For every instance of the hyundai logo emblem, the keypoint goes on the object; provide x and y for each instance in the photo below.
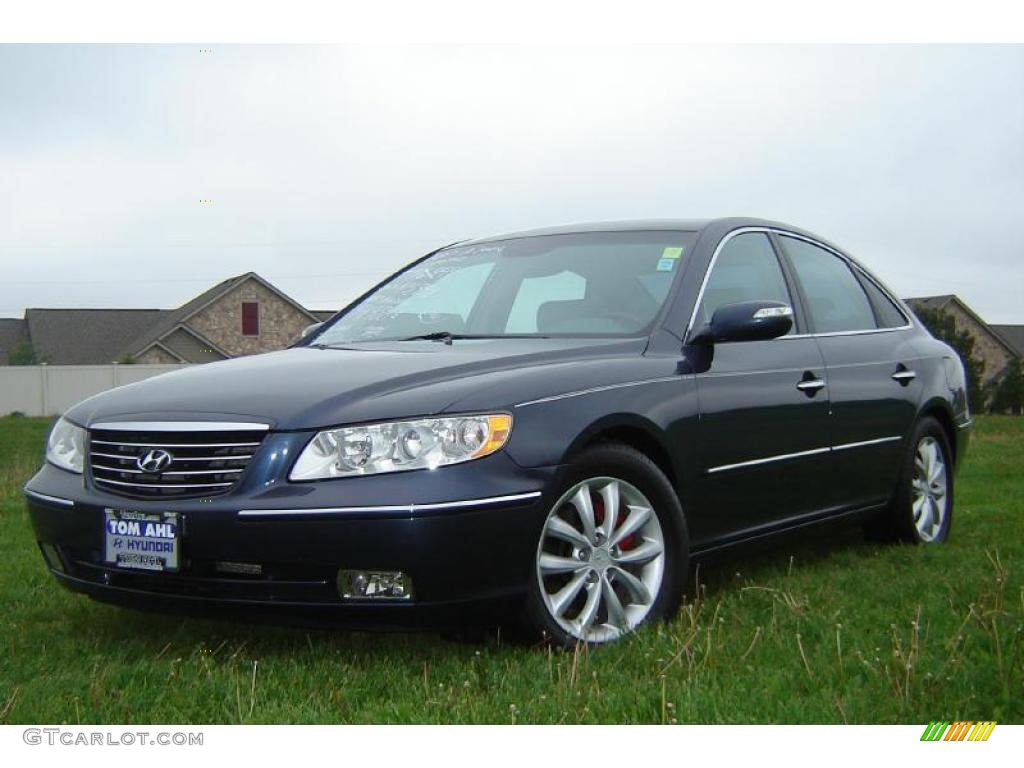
(154, 460)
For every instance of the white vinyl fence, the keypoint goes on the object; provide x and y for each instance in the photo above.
(47, 390)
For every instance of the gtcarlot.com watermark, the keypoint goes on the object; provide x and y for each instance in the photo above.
(69, 737)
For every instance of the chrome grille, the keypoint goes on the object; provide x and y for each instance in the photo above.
(203, 463)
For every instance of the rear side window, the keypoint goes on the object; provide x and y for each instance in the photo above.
(746, 269)
(888, 314)
(837, 300)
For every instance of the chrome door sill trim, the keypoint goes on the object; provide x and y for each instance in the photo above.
(181, 426)
(399, 508)
(50, 499)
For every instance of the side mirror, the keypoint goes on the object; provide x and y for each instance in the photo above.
(309, 329)
(746, 321)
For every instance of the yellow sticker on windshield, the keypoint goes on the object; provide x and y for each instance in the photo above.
(672, 253)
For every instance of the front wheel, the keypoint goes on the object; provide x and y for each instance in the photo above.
(921, 510)
(612, 553)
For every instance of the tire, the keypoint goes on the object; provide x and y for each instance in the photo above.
(595, 583)
(921, 509)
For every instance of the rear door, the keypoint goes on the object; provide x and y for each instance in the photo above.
(869, 360)
(763, 430)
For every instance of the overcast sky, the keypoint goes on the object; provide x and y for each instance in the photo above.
(329, 167)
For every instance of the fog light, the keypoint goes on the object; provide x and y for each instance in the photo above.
(376, 585)
(52, 557)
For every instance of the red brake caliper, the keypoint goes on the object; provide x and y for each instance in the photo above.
(627, 543)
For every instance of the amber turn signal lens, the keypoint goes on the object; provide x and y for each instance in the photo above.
(498, 429)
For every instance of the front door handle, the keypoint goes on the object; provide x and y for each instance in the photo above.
(904, 376)
(810, 384)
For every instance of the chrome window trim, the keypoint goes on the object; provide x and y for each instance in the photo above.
(802, 454)
(603, 388)
(843, 333)
(48, 498)
(181, 426)
(786, 233)
(400, 508)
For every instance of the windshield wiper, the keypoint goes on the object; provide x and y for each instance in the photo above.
(447, 336)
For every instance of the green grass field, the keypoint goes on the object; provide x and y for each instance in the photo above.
(821, 629)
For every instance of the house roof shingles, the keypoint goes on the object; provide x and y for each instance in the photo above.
(12, 333)
(1013, 335)
(85, 336)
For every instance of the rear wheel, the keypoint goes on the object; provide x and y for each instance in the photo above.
(921, 511)
(612, 553)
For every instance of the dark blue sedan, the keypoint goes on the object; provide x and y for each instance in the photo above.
(546, 426)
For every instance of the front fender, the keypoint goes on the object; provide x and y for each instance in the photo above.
(550, 431)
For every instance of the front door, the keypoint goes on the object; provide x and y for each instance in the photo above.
(764, 408)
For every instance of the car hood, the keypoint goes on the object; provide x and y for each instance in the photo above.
(307, 387)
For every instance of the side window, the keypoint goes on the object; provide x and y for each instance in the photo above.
(746, 269)
(552, 292)
(837, 301)
(889, 315)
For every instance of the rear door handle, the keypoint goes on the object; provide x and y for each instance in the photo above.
(904, 376)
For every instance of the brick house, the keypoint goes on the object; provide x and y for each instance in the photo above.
(991, 347)
(242, 315)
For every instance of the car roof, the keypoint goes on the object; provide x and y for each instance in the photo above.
(635, 225)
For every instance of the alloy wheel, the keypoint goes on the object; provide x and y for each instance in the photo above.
(929, 488)
(601, 559)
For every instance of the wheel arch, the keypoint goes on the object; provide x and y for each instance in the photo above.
(940, 410)
(632, 430)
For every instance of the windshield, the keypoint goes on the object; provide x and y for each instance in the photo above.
(590, 284)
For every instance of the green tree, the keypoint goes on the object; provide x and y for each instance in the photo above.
(943, 327)
(23, 354)
(1009, 392)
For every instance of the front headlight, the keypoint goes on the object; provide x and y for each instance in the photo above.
(397, 446)
(66, 446)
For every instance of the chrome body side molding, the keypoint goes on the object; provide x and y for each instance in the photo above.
(802, 454)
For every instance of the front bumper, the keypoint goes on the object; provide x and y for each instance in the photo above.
(465, 535)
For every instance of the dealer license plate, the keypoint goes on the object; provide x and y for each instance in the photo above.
(150, 541)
